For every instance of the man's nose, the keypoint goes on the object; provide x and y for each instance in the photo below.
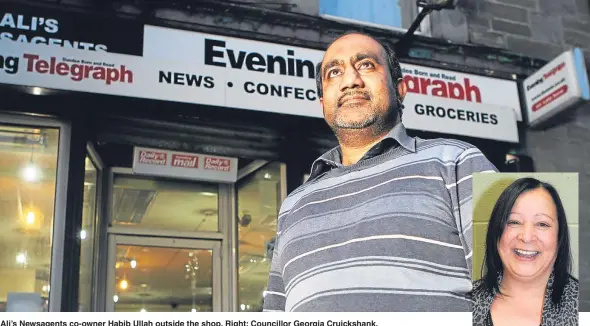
(351, 79)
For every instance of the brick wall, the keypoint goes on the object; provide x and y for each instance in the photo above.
(543, 29)
(539, 28)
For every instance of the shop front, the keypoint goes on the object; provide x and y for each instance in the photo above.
(145, 172)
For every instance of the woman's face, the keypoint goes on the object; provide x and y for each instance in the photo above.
(528, 246)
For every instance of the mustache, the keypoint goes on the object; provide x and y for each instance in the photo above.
(363, 94)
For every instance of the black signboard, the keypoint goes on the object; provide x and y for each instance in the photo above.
(73, 29)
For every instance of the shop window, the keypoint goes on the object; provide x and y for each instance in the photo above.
(155, 203)
(28, 171)
(259, 200)
(394, 14)
(163, 279)
(86, 236)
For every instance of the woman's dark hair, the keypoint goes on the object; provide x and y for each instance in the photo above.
(395, 70)
(493, 266)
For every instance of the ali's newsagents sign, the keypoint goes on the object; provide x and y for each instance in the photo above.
(228, 72)
(25, 23)
(560, 84)
(165, 163)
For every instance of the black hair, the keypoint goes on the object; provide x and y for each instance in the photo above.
(395, 70)
(493, 267)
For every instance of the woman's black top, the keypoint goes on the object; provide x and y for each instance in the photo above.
(565, 313)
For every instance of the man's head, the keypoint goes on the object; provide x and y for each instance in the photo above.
(360, 84)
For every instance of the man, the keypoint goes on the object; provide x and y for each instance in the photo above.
(384, 221)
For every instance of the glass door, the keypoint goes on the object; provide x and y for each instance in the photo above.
(163, 274)
(31, 211)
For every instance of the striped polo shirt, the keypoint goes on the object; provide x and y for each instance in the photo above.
(389, 233)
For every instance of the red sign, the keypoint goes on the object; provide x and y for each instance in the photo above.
(79, 70)
(555, 70)
(217, 164)
(185, 161)
(443, 88)
(550, 98)
(153, 158)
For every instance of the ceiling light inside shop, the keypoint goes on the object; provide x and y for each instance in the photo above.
(31, 173)
(208, 194)
(124, 284)
(115, 298)
(21, 258)
(30, 218)
(133, 263)
(267, 176)
(83, 234)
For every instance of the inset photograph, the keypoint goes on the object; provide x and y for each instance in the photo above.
(525, 249)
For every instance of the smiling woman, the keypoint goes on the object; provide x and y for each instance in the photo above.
(527, 269)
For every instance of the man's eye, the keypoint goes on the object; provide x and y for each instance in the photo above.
(366, 64)
(333, 73)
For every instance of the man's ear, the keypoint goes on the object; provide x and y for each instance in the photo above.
(402, 89)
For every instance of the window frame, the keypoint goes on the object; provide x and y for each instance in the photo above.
(424, 29)
(56, 269)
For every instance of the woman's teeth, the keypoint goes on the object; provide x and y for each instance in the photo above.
(526, 253)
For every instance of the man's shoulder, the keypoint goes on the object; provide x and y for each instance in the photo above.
(444, 143)
(446, 148)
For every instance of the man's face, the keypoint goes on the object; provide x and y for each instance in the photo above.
(357, 88)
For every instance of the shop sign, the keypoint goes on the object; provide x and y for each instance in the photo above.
(454, 117)
(280, 78)
(32, 24)
(557, 86)
(164, 163)
(242, 74)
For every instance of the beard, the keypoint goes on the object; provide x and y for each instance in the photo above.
(368, 114)
(359, 119)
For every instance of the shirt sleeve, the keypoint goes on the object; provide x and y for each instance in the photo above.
(274, 298)
(467, 163)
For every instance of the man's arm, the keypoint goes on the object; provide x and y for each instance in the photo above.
(467, 163)
(275, 298)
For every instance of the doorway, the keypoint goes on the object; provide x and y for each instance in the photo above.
(168, 244)
(164, 275)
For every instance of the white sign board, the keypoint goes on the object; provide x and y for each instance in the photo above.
(560, 84)
(235, 73)
(165, 163)
(279, 78)
(441, 115)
